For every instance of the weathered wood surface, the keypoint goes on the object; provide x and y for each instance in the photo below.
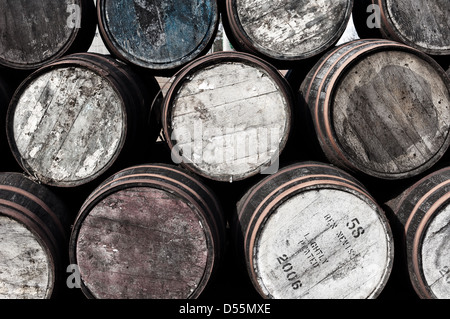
(148, 232)
(33, 33)
(25, 268)
(159, 36)
(70, 122)
(421, 24)
(312, 231)
(380, 108)
(34, 229)
(418, 23)
(53, 139)
(424, 213)
(228, 116)
(287, 30)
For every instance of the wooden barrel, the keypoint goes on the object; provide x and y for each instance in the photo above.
(424, 212)
(380, 108)
(311, 231)
(151, 231)
(72, 120)
(227, 116)
(286, 31)
(421, 24)
(159, 36)
(34, 229)
(34, 33)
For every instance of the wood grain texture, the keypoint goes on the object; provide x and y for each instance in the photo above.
(312, 231)
(421, 24)
(68, 125)
(130, 249)
(320, 255)
(288, 29)
(379, 108)
(228, 119)
(159, 36)
(25, 271)
(423, 211)
(33, 33)
(76, 118)
(434, 255)
(391, 112)
(151, 231)
(34, 229)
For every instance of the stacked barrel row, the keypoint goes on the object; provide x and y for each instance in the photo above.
(144, 190)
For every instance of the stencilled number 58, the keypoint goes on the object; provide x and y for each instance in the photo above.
(355, 227)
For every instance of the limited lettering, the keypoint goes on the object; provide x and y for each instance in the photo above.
(331, 223)
(355, 226)
(346, 243)
(313, 252)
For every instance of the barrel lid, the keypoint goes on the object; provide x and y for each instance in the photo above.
(431, 30)
(178, 235)
(161, 36)
(323, 244)
(227, 116)
(67, 123)
(34, 33)
(286, 31)
(25, 267)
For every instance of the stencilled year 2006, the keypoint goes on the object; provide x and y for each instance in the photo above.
(292, 276)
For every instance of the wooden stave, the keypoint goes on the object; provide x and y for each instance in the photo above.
(303, 169)
(80, 41)
(136, 102)
(387, 29)
(245, 215)
(162, 69)
(246, 231)
(179, 178)
(204, 62)
(165, 177)
(310, 98)
(242, 42)
(321, 117)
(414, 210)
(313, 171)
(140, 88)
(44, 215)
